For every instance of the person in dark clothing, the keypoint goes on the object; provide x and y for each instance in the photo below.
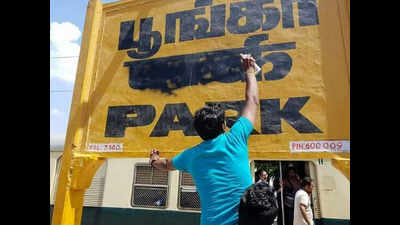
(258, 205)
(290, 185)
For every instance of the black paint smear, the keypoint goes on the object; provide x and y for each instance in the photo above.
(174, 72)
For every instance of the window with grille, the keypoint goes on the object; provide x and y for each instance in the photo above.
(95, 193)
(150, 187)
(188, 195)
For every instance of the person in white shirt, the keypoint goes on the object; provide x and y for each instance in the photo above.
(303, 214)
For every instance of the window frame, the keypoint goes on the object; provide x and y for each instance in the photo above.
(134, 184)
(96, 190)
(188, 188)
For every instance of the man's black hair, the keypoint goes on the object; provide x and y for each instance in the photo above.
(306, 181)
(258, 205)
(208, 121)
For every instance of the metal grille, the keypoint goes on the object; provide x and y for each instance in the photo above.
(145, 174)
(151, 187)
(187, 179)
(160, 177)
(149, 196)
(188, 195)
(189, 200)
(94, 194)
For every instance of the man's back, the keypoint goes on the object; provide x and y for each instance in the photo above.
(220, 169)
(219, 165)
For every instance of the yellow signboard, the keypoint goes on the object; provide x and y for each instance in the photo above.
(146, 66)
(155, 63)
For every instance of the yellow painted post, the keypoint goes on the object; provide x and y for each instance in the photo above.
(343, 11)
(343, 165)
(70, 191)
(82, 171)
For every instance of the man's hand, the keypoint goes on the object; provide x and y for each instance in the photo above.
(154, 155)
(248, 64)
(304, 214)
(161, 164)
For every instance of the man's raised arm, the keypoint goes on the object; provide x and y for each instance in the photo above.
(251, 105)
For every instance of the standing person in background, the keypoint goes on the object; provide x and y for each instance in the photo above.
(262, 176)
(290, 185)
(220, 164)
(303, 214)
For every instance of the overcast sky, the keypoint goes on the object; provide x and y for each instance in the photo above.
(67, 19)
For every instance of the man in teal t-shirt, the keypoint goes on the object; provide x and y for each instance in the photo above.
(220, 164)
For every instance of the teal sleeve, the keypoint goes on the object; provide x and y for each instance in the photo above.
(242, 129)
(181, 161)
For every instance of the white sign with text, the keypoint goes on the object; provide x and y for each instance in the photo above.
(105, 147)
(320, 146)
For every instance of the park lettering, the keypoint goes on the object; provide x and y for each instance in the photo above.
(271, 117)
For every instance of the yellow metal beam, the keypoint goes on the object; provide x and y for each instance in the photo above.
(343, 165)
(71, 186)
(252, 155)
(81, 173)
(83, 170)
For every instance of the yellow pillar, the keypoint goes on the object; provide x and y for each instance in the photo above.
(76, 172)
(343, 165)
(69, 199)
